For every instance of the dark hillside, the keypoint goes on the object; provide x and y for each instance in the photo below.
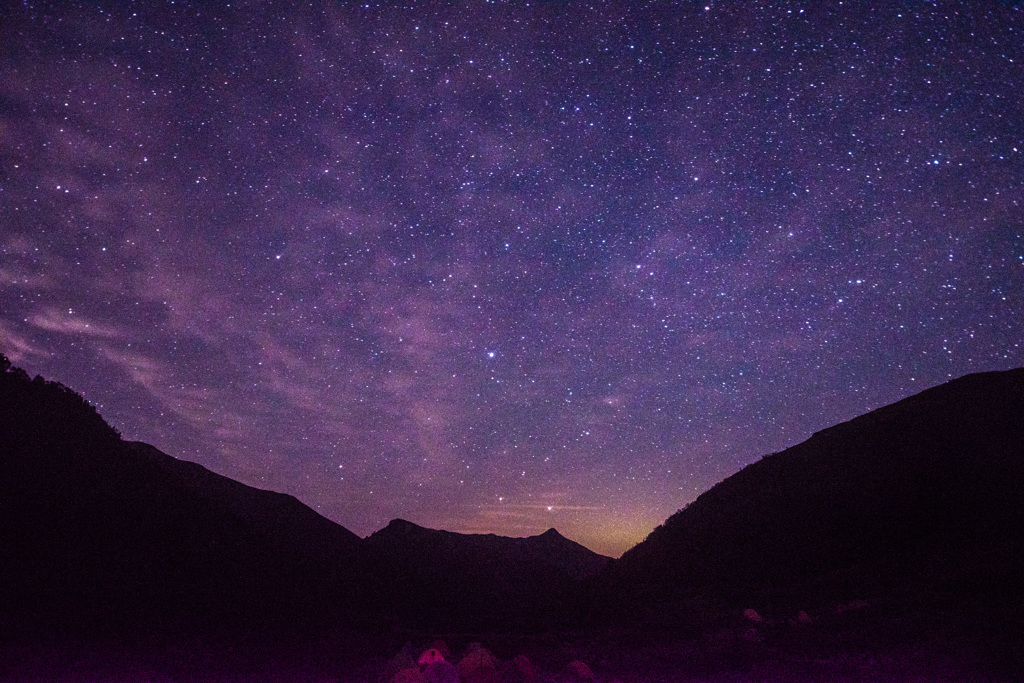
(101, 535)
(448, 581)
(555, 549)
(920, 501)
(916, 509)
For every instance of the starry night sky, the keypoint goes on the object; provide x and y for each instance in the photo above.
(498, 267)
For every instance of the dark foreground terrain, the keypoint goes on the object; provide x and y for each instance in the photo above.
(861, 647)
(887, 548)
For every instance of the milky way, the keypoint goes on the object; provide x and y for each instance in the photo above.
(497, 267)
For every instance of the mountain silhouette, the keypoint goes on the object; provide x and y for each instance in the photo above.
(919, 502)
(549, 548)
(458, 581)
(917, 506)
(552, 547)
(101, 534)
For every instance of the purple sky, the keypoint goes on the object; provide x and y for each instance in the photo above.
(497, 267)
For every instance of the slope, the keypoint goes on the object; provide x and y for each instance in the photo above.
(450, 581)
(102, 536)
(919, 502)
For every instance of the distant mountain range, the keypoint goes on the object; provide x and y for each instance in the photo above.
(549, 549)
(451, 581)
(919, 503)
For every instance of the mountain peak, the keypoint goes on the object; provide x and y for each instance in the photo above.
(399, 526)
(399, 523)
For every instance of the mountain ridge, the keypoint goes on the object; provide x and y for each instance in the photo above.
(891, 504)
(549, 547)
(914, 508)
(479, 581)
(103, 530)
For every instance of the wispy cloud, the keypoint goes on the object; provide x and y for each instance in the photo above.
(71, 323)
(17, 346)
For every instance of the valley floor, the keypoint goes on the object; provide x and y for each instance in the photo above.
(862, 646)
